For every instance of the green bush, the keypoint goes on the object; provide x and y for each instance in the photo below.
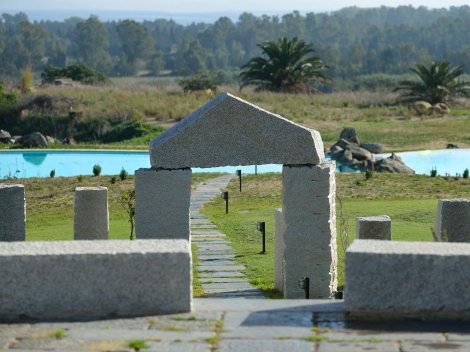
(7, 99)
(52, 174)
(465, 173)
(80, 73)
(96, 170)
(113, 180)
(433, 172)
(198, 82)
(123, 174)
(122, 131)
(369, 174)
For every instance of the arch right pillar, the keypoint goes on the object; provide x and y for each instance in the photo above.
(309, 226)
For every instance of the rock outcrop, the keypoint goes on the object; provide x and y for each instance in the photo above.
(32, 140)
(349, 152)
(5, 137)
(425, 108)
(392, 164)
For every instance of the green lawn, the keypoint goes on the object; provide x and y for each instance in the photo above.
(409, 200)
(49, 205)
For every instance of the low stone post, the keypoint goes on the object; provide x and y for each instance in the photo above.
(309, 217)
(162, 203)
(12, 213)
(91, 219)
(278, 250)
(453, 220)
(374, 228)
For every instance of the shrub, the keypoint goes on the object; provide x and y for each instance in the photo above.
(127, 201)
(79, 178)
(80, 73)
(125, 130)
(26, 80)
(7, 100)
(52, 173)
(434, 172)
(369, 174)
(96, 170)
(465, 173)
(198, 82)
(123, 174)
(113, 180)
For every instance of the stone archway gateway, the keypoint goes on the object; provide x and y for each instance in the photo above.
(230, 131)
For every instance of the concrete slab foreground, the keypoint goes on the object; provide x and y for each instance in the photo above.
(241, 325)
(93, 279)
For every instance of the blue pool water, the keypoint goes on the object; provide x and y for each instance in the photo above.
(22, 164)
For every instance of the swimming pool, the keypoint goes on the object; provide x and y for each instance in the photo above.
(39, 163)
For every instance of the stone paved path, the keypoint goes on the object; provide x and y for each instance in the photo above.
(220, 275)
(240, 325)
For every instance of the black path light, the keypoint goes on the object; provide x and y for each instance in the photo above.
(261, 227)
(224, 195)
(304, 283)
(239, 174)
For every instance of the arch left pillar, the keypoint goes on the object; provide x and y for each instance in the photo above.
(162, 203)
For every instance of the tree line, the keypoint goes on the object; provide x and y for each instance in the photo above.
(352, 42)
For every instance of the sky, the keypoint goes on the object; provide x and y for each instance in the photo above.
(194, 6)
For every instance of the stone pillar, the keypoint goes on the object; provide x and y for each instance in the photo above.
(162, 203)
(374, 228)
(91, 219)
(309, 217)
(278, 250)
(453, 220)
(12, 213)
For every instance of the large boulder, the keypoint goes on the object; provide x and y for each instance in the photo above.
(32, 140)
(349, 134)
(5, 137)
(422, 107)
(393, 164)
(359, 153)
(375, 148)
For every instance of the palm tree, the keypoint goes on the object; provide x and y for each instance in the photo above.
(287, 66)
(437, 83)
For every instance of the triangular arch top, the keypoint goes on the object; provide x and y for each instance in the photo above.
(231, 131)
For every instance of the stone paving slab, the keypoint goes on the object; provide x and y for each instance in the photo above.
(388, 336)
(236, 286)
(359, 346)
(123, 334)
(215, 253)
(197, 216)
(200, 222)
(265, 345)
(221, 274)
(213, 240)
(208, 232)
(207, 236)
(203, 226)
(245, 294)
(216, 257)
(243, 324)
(214, 246)
(420, 346)
(216, 262)
(177, 346)
(208, 251)
(219, 268)
(204, 280)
